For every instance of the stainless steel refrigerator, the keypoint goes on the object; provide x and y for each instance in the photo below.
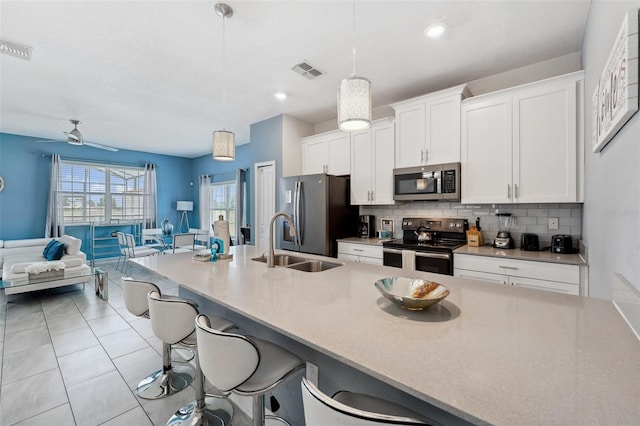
(321, 210)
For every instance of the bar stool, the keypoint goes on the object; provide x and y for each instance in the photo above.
(135, 299)
(244, 365)
(354, 409)
(173, 321)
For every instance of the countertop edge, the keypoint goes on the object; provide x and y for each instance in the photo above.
(519, 254)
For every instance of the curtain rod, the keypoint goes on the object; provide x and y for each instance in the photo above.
(111, 163)
(223, 173)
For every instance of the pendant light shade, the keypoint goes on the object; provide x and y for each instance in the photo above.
(224, 142)
(224, 145)
(354, 95)
(354, 104)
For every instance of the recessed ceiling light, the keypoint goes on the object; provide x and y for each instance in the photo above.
(281, 96)
(435, 30)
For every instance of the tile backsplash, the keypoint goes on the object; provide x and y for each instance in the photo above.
(531, 218)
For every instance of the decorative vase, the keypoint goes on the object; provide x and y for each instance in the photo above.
(167, 228)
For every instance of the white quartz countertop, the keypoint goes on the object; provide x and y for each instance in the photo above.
(488, 353)
(516, 253)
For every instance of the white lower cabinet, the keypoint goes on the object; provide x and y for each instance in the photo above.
(364, 253)
(557, 277)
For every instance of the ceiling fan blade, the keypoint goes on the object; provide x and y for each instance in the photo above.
(100, 146)
(70, 135)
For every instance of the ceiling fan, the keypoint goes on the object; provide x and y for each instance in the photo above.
(74, 137)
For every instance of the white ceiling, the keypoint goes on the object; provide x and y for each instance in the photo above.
(147, 75)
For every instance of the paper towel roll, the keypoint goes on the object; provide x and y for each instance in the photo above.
(221, 231)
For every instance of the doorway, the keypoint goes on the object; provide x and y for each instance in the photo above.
(265, 201)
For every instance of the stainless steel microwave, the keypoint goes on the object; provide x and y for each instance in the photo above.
(433, 182)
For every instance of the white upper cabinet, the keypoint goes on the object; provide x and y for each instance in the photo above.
(327, 153)
(524, 145)
(372, 164)
(428, 128)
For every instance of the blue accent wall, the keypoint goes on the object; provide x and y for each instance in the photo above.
(206, 165)
(25, 166)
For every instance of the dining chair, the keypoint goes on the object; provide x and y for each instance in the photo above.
(202, 238)
(354, 409)
(129, 249)
(183, 243)
(152, 237)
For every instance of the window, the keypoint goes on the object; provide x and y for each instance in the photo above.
(101, 193)
(223, 202)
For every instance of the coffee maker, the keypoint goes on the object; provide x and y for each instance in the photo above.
(366, 226)
(506, 222)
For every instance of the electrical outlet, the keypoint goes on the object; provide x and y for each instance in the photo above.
(312, 373)
(553, 223)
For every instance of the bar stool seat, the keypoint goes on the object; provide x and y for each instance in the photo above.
(244, 365)
(354, 409)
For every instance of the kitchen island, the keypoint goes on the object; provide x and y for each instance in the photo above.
(488, 354)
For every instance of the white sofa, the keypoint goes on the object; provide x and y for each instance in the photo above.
(16, 256)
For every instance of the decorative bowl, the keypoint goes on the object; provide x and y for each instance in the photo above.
(411, 293)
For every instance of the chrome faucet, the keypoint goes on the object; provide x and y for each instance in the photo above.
(292, 232)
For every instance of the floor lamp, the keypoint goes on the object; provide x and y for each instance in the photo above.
(184, 207)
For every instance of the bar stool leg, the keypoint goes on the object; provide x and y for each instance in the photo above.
(203, 411)
(167, 381)
(259, 417)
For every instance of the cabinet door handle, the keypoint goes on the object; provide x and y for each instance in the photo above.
(368, 195)
(509, 191)
(426, 155)
(517, 191)
(422, 155)
(355, 249)
(508, 267)
(373, 196)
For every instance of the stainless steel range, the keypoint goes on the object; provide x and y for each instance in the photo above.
(427, 244)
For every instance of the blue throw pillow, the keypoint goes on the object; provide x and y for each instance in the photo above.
(56, 251)
(48, 247)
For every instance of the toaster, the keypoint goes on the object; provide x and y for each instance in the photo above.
(529, 242)
(561, 244)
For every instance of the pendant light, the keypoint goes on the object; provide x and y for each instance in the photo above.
(354, 96)
(224, 141)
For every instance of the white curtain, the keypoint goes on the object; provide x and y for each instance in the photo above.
(241, 179)
(55, 214)
(150, 198)
(204, 203)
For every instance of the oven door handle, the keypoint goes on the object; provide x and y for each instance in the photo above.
(433, 255)
(394, 251)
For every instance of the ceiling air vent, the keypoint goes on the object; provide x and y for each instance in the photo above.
(306, 70)
(13, 49)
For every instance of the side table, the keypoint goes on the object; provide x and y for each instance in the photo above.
(101, 283)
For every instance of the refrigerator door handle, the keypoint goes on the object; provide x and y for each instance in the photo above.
(299, 218)
(296, 213)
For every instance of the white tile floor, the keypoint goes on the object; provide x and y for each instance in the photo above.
(70, 358)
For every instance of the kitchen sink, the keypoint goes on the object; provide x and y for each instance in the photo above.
(281, 259)
(298, 263)
(314, 266)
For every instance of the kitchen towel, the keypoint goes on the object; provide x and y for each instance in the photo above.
(409, 260)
